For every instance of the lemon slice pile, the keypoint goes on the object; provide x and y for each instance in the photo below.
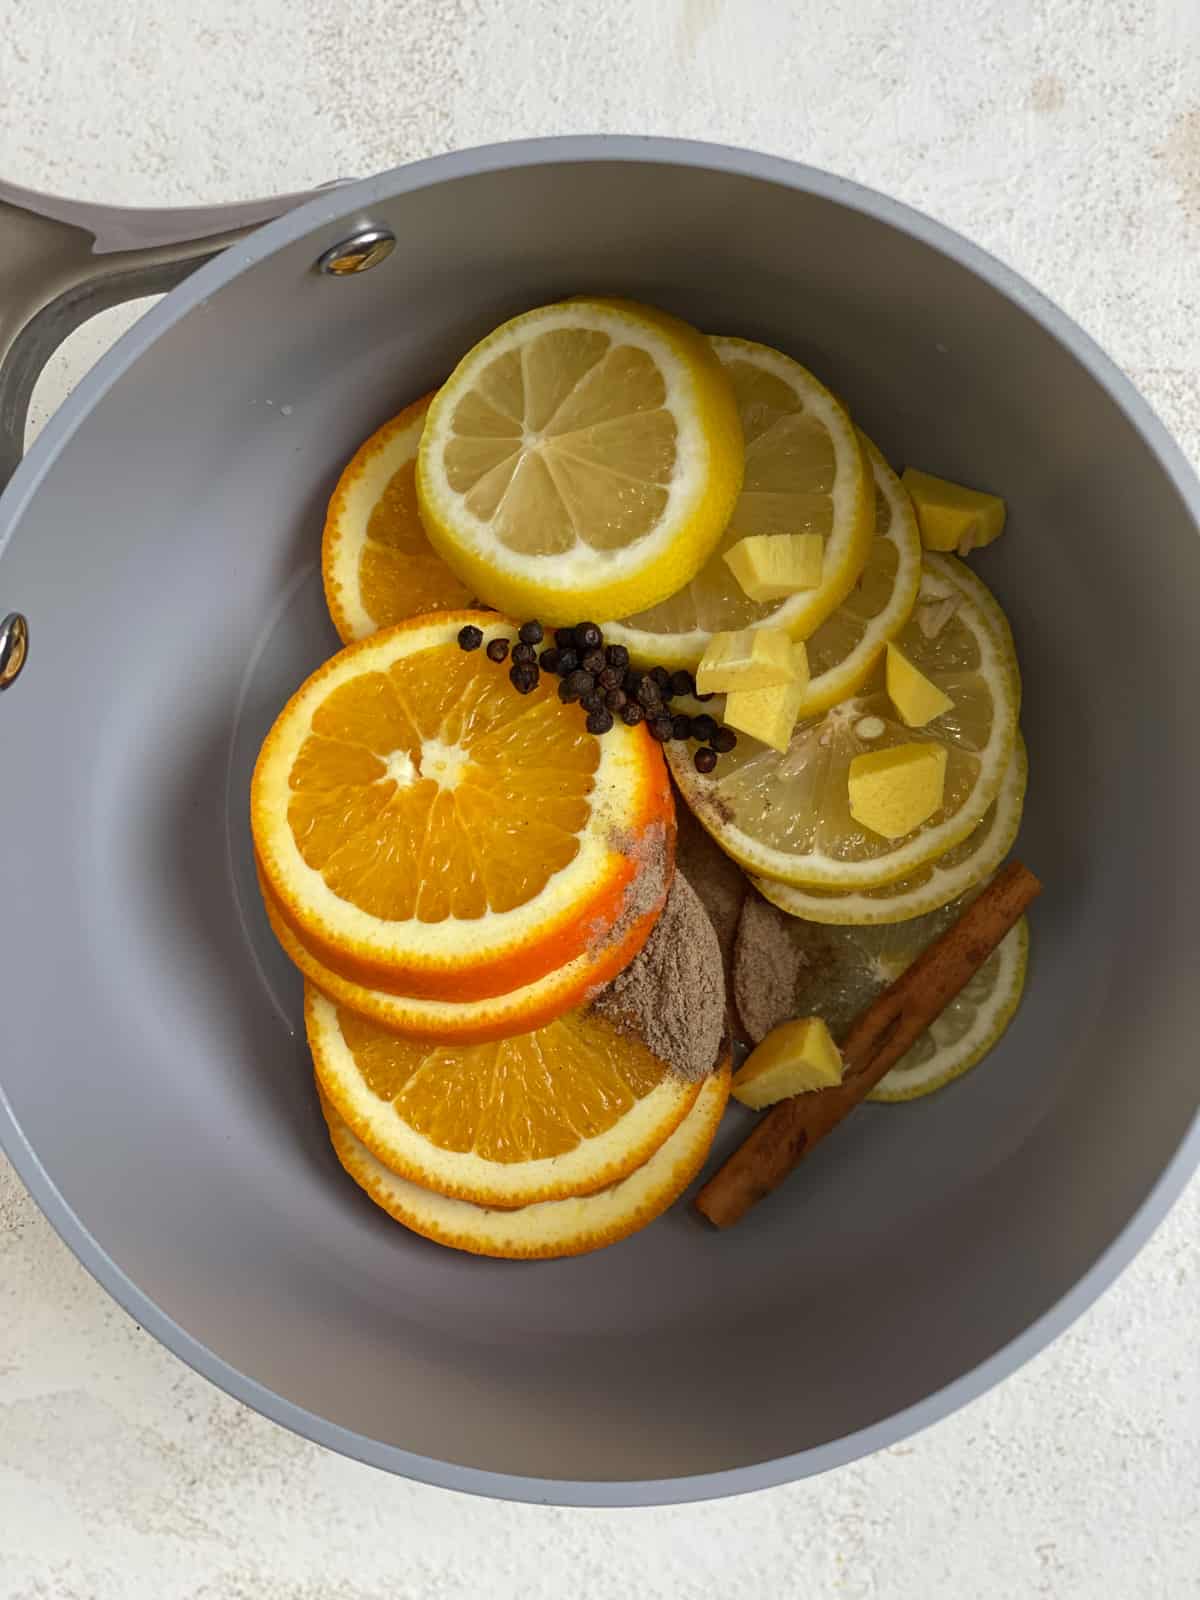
(843, 649)
(942, 880)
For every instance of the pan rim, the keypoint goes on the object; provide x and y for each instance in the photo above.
(325, 212)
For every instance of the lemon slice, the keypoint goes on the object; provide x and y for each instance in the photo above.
(967, 1029)
(835, 973)
(846, 646)
(377, 566)
(581, 461)
(959, 870)
(787, 816)
(806, 472)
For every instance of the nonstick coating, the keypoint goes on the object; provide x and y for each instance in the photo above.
(163, 540)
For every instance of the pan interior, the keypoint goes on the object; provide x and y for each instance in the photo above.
(153, 1053)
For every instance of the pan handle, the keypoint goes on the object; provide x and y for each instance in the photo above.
(61, 261)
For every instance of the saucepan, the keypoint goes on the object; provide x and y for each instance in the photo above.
(159, 542)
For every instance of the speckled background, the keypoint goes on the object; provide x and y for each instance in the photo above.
(1064, 135)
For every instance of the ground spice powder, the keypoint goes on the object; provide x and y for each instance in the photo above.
(652, 859)
(766, 968)
(672, 996)
(720, 882)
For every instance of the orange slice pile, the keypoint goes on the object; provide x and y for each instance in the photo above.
(563, 1111)
(551, 1227)
(426, 830)
(530, 1006)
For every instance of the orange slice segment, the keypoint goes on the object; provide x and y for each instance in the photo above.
(376, 563)
(563, 1111)
(477, 1021)
(552, 1227)
(427, 830)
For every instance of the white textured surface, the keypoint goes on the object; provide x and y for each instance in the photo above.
(1064, 135)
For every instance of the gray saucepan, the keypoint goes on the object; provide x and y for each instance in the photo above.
(161, 540)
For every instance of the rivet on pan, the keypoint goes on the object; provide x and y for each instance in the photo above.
(359, 253)
(14, 648)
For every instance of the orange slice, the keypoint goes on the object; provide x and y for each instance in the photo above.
(478, 1021)
(427, 830)
(376, 563)
(551, 1227)
(563, 1111)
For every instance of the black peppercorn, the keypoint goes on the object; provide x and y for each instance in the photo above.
(523, 676)
(682, 683)
(564, 638)
(531, 632)
(618, 656)
(588, 636)
(617, 700)
(705, 759)
(600, 720)
(497, 649)
(660, 729)
(470, 637)
(524, 654)
(592, 661)
(681, 727)
(703, 726)
(723, 741)
(609, 678)
(631, 713)
(593, 700)
(661, 677)
(549, 660)
(568, 660)
(648, 694)
(579, 683)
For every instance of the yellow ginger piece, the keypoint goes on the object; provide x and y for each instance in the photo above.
(752, 658)
(773, 566)
(792, 1059)
(770, 714)
(916, 699)
(950, 516)
(894, 791)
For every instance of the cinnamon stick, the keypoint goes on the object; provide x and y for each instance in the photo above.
(874, 1043)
